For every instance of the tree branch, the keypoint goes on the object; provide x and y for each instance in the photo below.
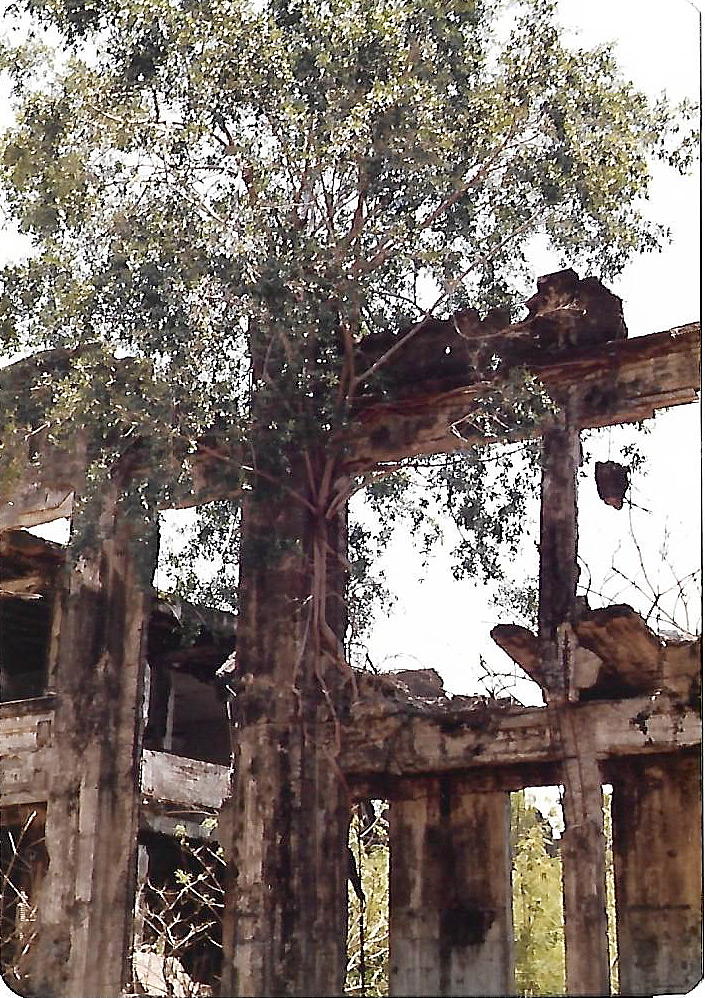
(450, 287)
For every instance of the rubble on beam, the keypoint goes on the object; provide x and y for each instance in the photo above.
(617, 655)
(622, 381)
(565, 314)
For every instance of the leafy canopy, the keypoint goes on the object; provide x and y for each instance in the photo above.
(237, 193)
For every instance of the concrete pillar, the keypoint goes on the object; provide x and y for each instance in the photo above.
(285, 917)
(558, 553)
(450, 897)
(587, 962)
(583, 847)
(657, 830)
(86, 908)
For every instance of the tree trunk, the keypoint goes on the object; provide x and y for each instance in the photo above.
(286, 908)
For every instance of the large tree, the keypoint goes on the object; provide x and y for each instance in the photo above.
(240, 192)
(248, 200)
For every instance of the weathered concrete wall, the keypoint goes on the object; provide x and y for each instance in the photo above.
(450, 898)
(657, 829)
(26, 753)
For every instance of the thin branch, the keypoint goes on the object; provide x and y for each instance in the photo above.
(448, 290)
(386, 243)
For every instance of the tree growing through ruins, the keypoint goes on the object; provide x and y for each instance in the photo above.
(246, 202)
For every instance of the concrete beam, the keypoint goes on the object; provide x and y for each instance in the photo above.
(413, 741)
(173, 778)
(616, 382)
(493, 747)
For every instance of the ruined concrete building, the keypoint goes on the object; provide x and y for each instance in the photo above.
(116, 735)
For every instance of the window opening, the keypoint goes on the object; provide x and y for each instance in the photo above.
(537, 892)
(367, 971)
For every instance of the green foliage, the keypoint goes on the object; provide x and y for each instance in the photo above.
(520, 602)
(218, 153)
(538, 903)
(200, 560)
(610, 895)
(367, 594)
(484, 492)
(235, 194)
(370, 847)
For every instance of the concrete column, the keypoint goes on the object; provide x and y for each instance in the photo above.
(587, 961)
(558, 552)
(285, 914)
(450, 898)
(657, 830)
(86, 908)
(583, 848)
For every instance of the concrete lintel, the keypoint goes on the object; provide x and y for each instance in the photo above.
(498, 749)
(410, 742)
(167, 777)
